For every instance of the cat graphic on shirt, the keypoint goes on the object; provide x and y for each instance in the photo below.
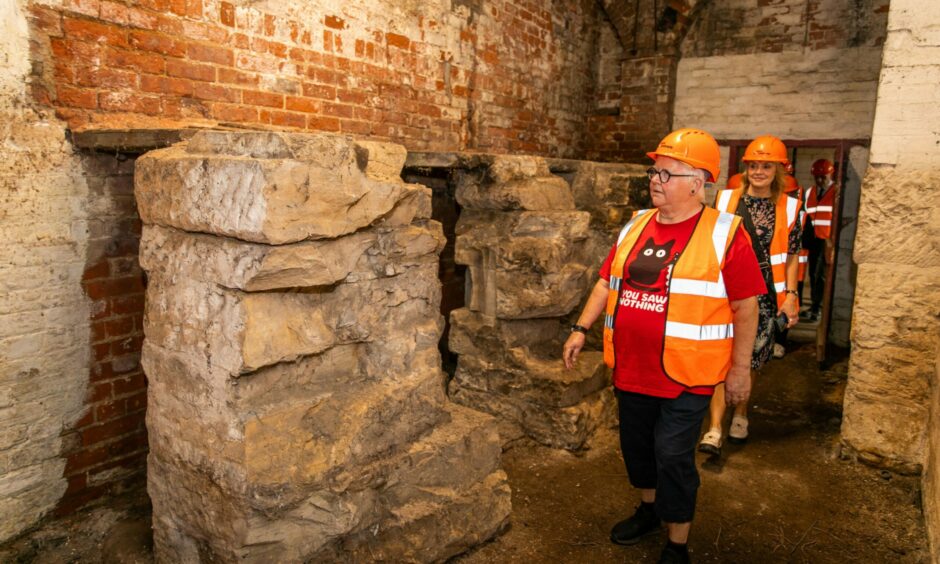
(649, 263)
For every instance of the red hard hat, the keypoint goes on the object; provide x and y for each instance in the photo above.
(766, 148)
(694, 147)
(788, 167)
(734, 182)
(791, 184)
(823, 167)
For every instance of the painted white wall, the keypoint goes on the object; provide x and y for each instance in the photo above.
(43, 312)
(907, 121)
(823, 94)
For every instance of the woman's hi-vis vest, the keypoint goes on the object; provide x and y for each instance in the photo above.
(820, 210)
(785, 216)
(699, 331)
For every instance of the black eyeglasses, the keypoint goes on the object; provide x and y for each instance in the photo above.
(664, 175)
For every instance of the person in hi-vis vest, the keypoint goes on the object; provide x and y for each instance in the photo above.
(678, 293)
(820, 201)
(771, 216)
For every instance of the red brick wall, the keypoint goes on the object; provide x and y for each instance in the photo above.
(106, 450)
(503, 75)
(647, 82)
(648, 87)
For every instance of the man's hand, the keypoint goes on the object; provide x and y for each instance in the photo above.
(737, 385)
(573, 347)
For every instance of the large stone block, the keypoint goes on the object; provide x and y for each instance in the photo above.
(522, 264)
(276, 450)
(522, 359)
(242, 332)
(559, 427)
(890, 194)
(433, 500)
(256, 267)
(273, 187)
(894, 336)
(538, 381)
(503, 182)
(610, 193)
(476, 334)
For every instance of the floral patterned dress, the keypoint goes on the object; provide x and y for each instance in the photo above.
(763, 214)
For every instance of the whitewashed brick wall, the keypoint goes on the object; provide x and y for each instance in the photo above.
(43, 313)
(822, 94)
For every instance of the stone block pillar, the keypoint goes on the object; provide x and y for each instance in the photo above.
(523, 243)
(296, 407)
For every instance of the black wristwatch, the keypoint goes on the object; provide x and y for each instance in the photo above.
(579, 328)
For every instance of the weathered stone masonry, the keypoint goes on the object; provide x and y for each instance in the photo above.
(296, 403)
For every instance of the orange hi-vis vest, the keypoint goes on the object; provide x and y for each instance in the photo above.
(820, 210)
(699, 330)
(804, 253)
(785, 218)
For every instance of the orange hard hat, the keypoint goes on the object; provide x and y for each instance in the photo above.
(694, 147)
(791, 184)
(734, 182)
(823, 167)
(766, 148)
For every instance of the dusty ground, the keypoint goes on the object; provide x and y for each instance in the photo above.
(784, 497)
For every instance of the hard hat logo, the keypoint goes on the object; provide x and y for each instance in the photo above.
(694, 147)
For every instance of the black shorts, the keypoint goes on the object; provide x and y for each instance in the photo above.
(658, 438)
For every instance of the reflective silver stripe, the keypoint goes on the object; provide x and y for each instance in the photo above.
(724, 198)
(694, 287)
(823, 222)
(824, 208)
(793, 205)
(779, 258)
(810, 210)
(615, 282)
(623, 232)
(608, 321)
(720, 234)
(804, 258)
(699, 332)
(780, 286)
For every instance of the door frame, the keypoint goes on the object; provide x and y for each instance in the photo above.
(842, 147)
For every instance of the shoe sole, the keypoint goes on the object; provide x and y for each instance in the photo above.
(737, 441)
(709, 449)
(635, 540)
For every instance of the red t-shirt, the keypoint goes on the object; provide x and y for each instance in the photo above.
(641, 317)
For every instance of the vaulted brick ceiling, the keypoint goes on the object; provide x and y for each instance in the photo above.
(623, 14)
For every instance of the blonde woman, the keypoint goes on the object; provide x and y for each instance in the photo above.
(770, 216)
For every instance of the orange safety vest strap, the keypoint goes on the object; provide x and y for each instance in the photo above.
(638, 221)
(785, 217)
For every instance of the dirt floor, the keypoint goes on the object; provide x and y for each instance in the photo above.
(784, 497)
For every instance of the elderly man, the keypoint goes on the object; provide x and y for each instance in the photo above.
(679, 290)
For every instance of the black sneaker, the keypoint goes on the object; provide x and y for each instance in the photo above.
(670, 555)
(629, 531)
